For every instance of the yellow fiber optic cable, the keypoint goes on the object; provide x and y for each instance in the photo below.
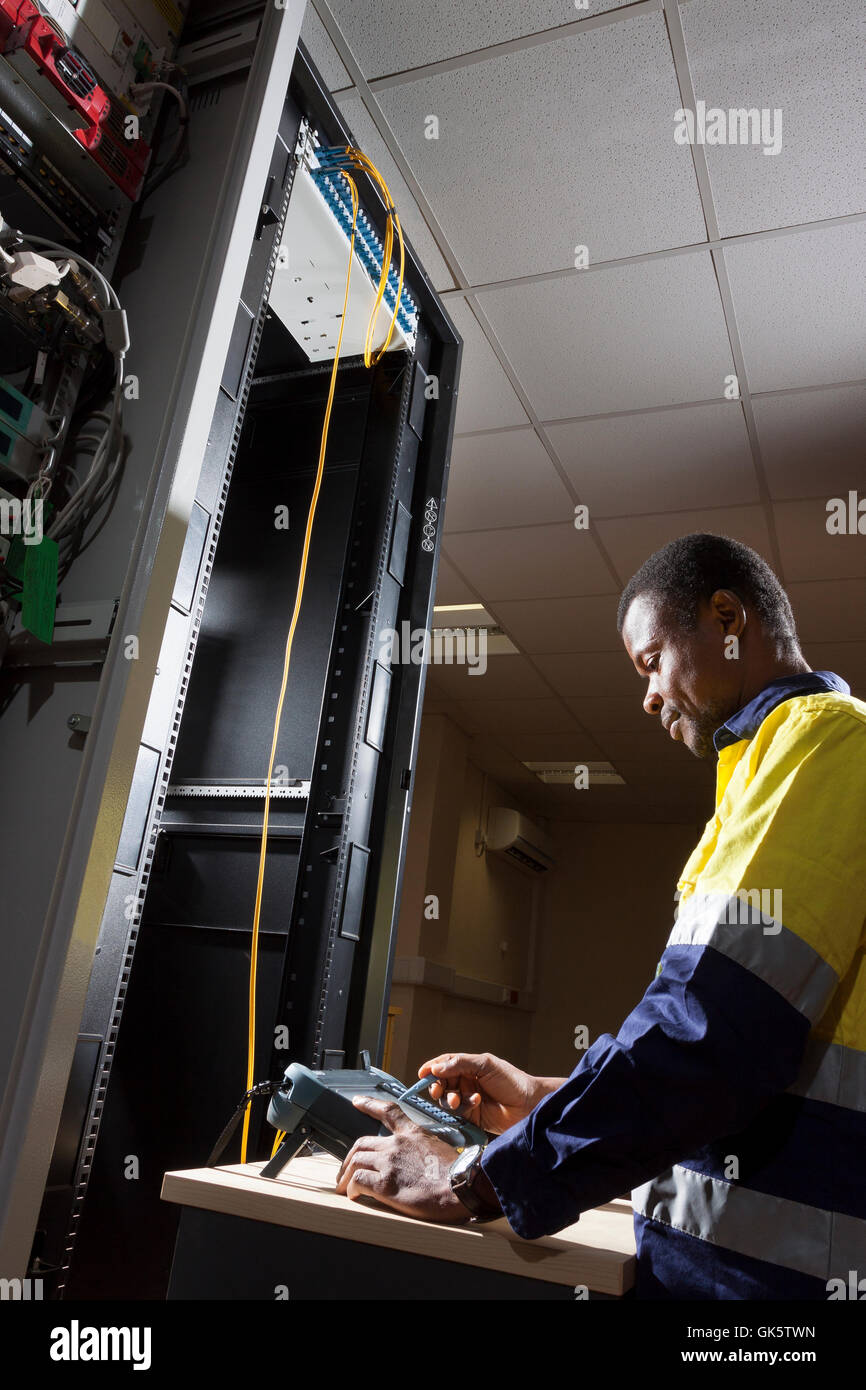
(301, 580)
(361, 161)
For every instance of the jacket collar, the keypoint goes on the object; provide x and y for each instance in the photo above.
(746, 722)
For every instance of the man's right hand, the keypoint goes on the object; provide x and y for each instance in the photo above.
(486, 1090)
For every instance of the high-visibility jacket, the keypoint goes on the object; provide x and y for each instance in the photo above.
(732, 1102)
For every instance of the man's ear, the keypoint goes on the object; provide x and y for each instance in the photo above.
(728, 612)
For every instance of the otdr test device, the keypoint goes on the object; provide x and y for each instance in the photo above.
(316, 1107)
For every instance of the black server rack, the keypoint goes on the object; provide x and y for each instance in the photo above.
(161, 1058)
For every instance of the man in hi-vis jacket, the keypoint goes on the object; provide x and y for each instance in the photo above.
(732, 1101)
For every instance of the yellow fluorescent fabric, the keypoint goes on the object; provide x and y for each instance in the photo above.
(790, 822)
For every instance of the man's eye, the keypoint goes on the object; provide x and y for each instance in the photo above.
(651, 664)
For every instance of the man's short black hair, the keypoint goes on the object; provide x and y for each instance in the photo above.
(689, 570)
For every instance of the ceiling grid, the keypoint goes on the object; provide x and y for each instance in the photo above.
(603, 385)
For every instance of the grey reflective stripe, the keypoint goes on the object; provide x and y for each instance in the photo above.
(764, 946)
(823, 1244)
(849, 1245)
(832, 1073)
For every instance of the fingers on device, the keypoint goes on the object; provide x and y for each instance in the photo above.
(317, 1106)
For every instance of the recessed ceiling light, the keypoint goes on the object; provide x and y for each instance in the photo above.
(598, 774)
(458, 607)
(463, 618)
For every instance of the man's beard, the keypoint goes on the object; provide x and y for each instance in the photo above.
(703, 725)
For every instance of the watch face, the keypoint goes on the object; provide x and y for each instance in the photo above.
(465, 1160)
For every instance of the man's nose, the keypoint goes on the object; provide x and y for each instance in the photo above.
(653, 702)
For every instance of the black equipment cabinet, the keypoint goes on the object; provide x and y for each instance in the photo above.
(169, 1008)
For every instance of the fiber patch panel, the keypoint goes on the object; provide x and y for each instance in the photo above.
(309, 281)
(367, 243)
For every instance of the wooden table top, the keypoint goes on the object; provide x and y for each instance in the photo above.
(598, 1251)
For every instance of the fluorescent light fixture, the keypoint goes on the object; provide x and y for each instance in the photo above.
(458, 608)
(466, 617)
(599, 774)
(496, 643)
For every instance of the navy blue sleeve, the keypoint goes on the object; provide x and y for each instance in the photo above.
(706, 1048)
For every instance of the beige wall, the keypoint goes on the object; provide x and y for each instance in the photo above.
(482, 932)
(610, 907)
(604, 914)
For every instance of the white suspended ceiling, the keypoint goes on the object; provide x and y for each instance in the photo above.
(605, 386)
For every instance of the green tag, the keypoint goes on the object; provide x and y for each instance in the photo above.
(15, 558)
(40, 589)
(18, 551)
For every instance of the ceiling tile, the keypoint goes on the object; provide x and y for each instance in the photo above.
(433, 694)
(434, 706)
(831, 610)
(593, 673)
(553, 748)
(543, 149)
(322, 51)
(631, 540)
(505, 677)
(694, 795)
(530, 562)
(450, 588)
(805, 60)
(625, 712)
(809, 551)
(368, 139)
(649, 746)
(409, 34)
(683, 771)
(485, 397)
(813, 441)
(621, 338)
(513, 779)
(503, 479)
(694, 456)
(521, 716)
(800, 303)
(562, 624)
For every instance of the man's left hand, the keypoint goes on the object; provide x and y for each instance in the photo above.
(406, 1169)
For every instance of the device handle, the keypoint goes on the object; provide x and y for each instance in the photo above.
(264, 1088)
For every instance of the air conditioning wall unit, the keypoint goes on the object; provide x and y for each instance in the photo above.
(519, 840)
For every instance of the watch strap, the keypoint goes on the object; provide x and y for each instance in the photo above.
(463, 1187)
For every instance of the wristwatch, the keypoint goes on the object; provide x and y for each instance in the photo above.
(462, 1176)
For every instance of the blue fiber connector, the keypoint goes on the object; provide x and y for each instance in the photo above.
(367, 243)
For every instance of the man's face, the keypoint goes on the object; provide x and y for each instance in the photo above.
(691, 685)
